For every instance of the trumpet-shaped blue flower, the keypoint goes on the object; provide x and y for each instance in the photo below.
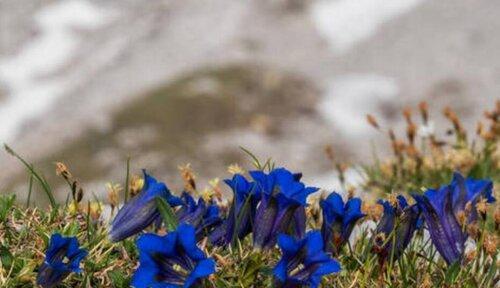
(198, 214)
(395, 229)
(238, 224)
(63, 256)
(282, 195)
(141, 211)
(303, 262)
(441, 207)
(339, 219)
(172, 260)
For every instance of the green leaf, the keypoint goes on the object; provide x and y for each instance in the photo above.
(6, 257)
(255, 160)
(6, 203)
(452, 273)
(167, 214)
(118, 279)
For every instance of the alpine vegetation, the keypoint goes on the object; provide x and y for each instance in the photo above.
(426, 216)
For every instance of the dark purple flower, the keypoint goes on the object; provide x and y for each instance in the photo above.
(339, 220)
(395, 229)
(238, 224)
(141, 211)
(63, 256)
(441, 208)
(171, 261)
(198, 214)
(282, 195)
(303, 262)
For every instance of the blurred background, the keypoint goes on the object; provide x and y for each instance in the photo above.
(169, 82)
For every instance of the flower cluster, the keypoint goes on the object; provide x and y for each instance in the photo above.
(270, 209)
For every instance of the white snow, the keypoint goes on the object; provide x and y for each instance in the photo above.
(349, 98)
(346, 22)
(31, 87)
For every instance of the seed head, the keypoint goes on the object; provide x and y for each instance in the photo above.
(490, 244)
(189, 177)
(62, 170)
(372, 121)
(235, 169)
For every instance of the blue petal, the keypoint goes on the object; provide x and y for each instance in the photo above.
(264, 222)
(325, 268)
(187, 239)
(314, 243)
(280, 270)
(140, 211)
(144, 276)
(203, 269)
(333, 207)
(353, 211)
(444, 229)
(288, 244)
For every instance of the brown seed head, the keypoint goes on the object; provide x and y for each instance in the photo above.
(113, 192)
(497, 216)
(411, 130)
(235, 169)
(329, 151)
(373, 211)
(372, 121)
(461, 218)
(470, 256)
(407, 115)
(426, 282)
(482, 207)
(424, 111)
(473, 230)
(189, 177)
(136, 184)
(62, 170)
(490, 244)
(351, 190)
(452, 116)
(479, 128)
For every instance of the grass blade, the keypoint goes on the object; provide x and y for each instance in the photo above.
(167, 214)
(45, 186)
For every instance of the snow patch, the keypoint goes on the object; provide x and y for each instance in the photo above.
(347, 22)
(349, 98)
(31, 87)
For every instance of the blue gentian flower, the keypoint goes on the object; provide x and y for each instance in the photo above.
(198, 214)
(172, 260)
(397, 226)
(441, 208)
(339, 219)
(138, 213)
(238, 224)
(63, 256)
(282, 195)
(304, 262)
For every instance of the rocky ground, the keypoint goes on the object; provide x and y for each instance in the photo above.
(170, 82)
